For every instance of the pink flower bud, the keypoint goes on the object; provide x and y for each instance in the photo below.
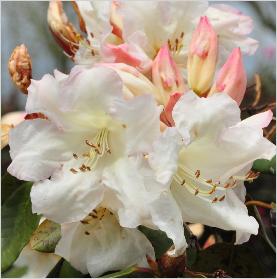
(166, 75)
(202, 57)
(231, 79)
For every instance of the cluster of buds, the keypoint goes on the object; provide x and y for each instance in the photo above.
(20, 68)
(202, 60)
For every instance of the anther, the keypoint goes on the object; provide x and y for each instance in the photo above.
(213, 190)
(196, 192)
(182, 35)
(222, 198)
(124, 125)
(87, 233)
(227, 185)
(73, 170)
(209, 181)
(75, 155)
(84, 222)
(183, 182)
(83, 168)
(197, 173)
(214, 200)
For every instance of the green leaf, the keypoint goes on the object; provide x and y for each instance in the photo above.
(265, 166)
(130, 272)
(46, 237)
(15, 272)
(158, 239)
(236, 260)
(122, 273)
(17, 223)
(68, 271)
(9, 184)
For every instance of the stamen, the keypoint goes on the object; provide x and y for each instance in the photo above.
(75, 156)
(222, 198)
(182, 35)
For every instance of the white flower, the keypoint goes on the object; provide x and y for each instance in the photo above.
(208, 155)
(84, 125)
(98, 244)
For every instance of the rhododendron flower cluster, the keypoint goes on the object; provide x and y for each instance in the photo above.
(144, 130)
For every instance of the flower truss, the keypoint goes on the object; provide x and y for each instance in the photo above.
(144, 130)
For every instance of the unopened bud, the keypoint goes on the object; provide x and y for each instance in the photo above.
(166, 75)
(20, 68)
(63, 31)
(231, 78)
(202, 57)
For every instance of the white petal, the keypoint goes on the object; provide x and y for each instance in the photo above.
(43, 97)
(164, 157)
(90, 89)
(67, 197)
(229, 214)
(103, 246)
(166, 215)
(258, 121)
(96, 18)
(202, 116)
(38, 264)
(141, 116)
(37, 148)
(233, 28)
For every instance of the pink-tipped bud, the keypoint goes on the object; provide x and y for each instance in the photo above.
(231, 79)
(166, 75)
(202, 57)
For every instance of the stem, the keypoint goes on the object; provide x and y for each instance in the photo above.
(259, 203)
(266, 238)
